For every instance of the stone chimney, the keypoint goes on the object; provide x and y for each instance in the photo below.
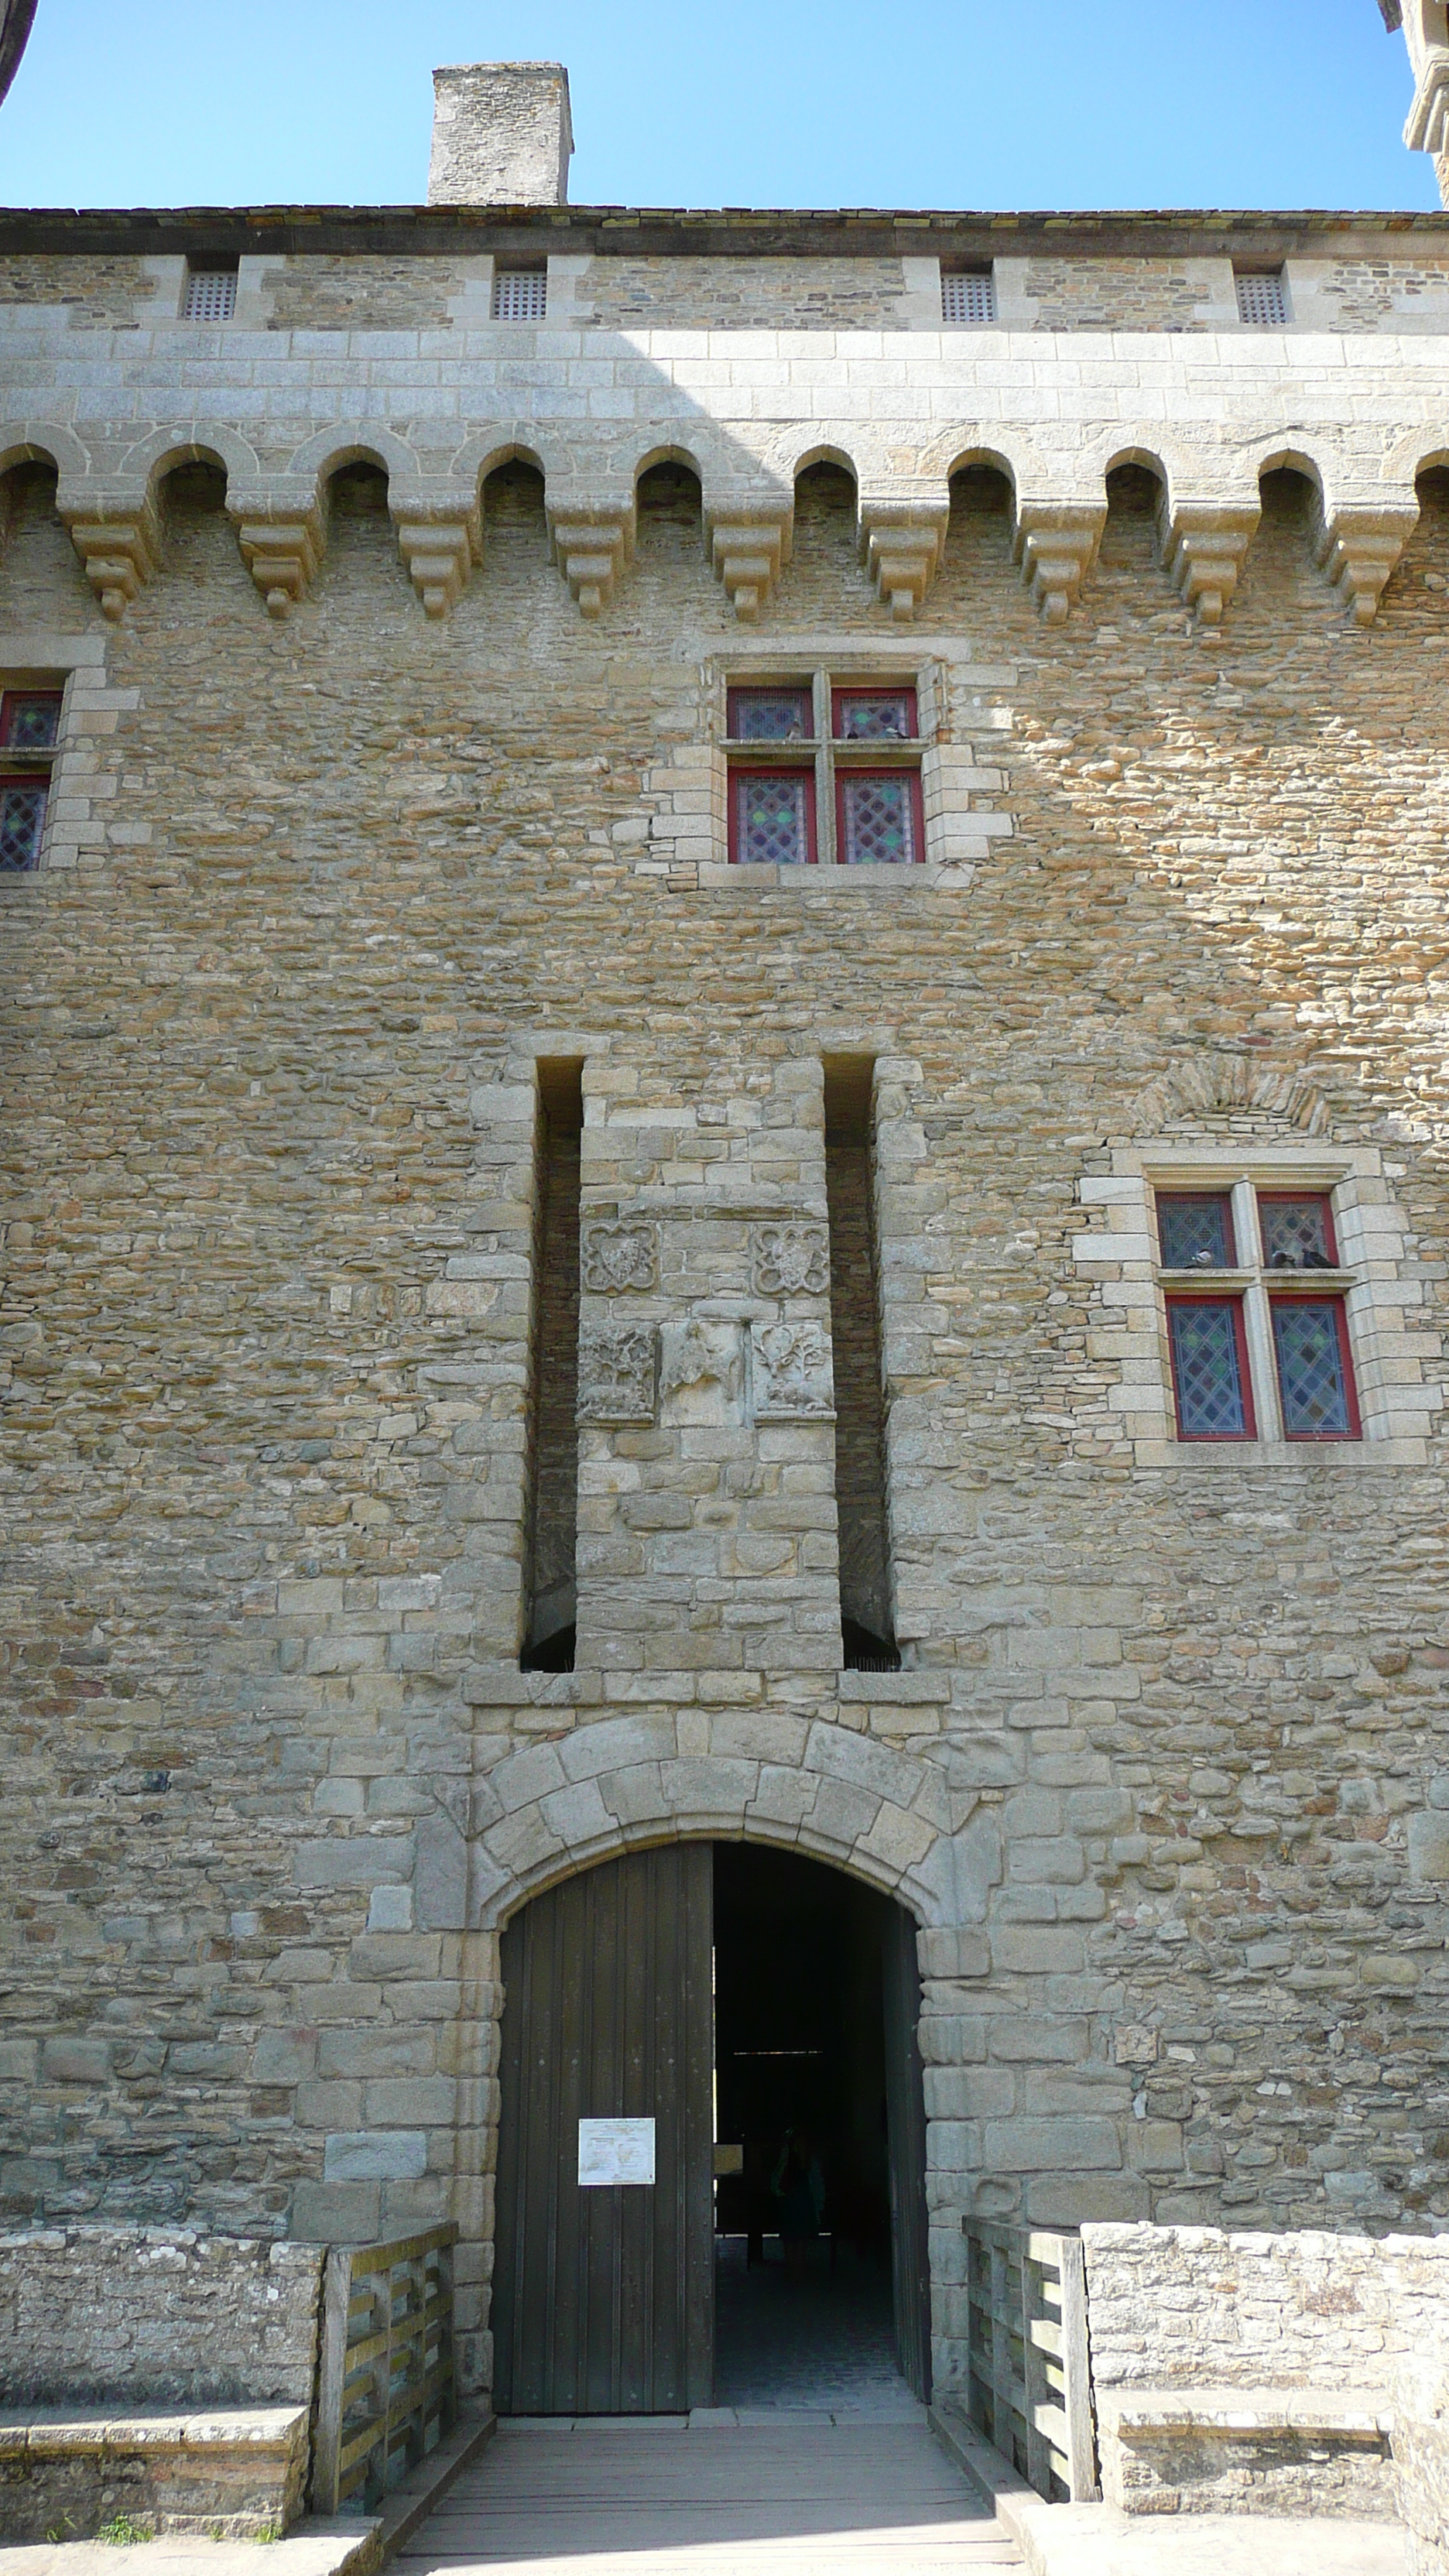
(501, 135)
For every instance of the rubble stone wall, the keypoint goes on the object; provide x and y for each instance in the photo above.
(148, 2315)
(1180, 2306)
(1165, 1777)
(319, 292)
(1118, 295)
(98, 293)
(742, 294)
(1421, 2460)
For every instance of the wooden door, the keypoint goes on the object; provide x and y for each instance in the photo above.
(906, 2140)
(603, 2298)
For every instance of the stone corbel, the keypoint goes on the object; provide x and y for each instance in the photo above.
(440, 540)
(1203, 544)
(747, 547)
(120, 545)
(591, 544)
(1055, 543)
(901, 544)
(1358, 547)
(1427, 125)
(282, 543)
(1426, 128)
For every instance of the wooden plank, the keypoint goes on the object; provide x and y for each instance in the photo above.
(372, 2259)
(331, 2374)
(1028, 2384)
(1081, 2444)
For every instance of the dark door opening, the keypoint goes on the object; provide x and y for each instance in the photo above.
(820, 2234)
(745, 2020)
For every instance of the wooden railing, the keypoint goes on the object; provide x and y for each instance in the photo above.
(386, 2392)
(1029, 2377)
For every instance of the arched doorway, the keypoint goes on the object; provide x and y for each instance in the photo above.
(701, 2042)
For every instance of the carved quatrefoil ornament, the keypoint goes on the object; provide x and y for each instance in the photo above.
(618, 1258)
(791, 1261)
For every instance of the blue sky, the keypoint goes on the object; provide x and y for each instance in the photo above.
(969, 103)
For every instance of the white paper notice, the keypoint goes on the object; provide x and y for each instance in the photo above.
(615, 2151)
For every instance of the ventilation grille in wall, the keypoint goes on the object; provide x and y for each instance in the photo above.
(968, 295)
(1262, 297)
(520, 294)
(210, 295)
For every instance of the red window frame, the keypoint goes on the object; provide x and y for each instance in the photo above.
(841, 698)
(1198, 1198)
(1345, 1354)
(741, 770)
(800, 689)
(1245, 1374)
(865, 770)
(29, 778)
(8, 698)
(1299, 1198)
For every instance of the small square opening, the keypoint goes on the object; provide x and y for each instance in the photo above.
(968, 295)
(520, 294)
(210, 295)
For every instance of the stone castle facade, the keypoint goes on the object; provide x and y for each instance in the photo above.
(714, 923)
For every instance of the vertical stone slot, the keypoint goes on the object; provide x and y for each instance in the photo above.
(551, 1527)
(866, 1621)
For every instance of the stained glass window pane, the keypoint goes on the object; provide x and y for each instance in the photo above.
(880, 821)
(1310, 1369)
(1206, 1372)
(30, 719)
(771, 827)
(770, 715)
(1295, 1234)
(22, 814)
(1195, 1233)
(875, 715)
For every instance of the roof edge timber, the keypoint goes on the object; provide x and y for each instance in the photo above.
(724, 232)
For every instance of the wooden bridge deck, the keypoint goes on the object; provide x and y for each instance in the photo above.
(787, 2496)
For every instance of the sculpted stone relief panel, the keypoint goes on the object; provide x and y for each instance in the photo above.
(616, 1373)
(702, 1371)
(790, 1373)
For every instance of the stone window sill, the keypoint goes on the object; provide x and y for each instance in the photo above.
(835, 881)
(903, 1690)
(1253, 1456)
